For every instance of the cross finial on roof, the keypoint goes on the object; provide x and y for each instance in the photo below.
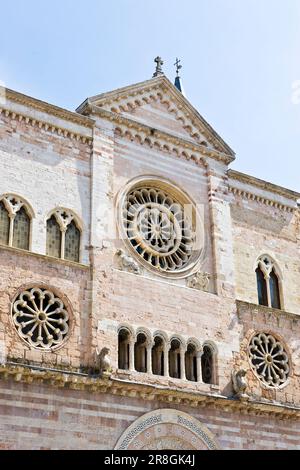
(159, 63)
(178, 66)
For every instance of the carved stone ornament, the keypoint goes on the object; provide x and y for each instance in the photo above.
(269, 360)
(239, 383)
(128, 263)
(199, 281)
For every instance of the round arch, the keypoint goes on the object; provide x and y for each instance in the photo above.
(167, 429)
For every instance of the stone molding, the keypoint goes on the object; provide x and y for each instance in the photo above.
(75, 381)
(51, 109)
(143, 133)
(255, 197)
(201, 434)
(20, 252)
(45, 126)
(154, 89)
(264, 185)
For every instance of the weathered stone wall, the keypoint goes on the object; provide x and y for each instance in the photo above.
(261, 227)
(69, 281)
(39, 417)
(45, 168)
(54, 159)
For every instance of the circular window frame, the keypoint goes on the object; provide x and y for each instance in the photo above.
(194, 263)
(278, 338)
(67, 305)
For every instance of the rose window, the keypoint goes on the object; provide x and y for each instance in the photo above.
(159, 228)
(40, 318)
(269, 360)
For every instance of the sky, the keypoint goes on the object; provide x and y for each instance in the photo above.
(241, 64)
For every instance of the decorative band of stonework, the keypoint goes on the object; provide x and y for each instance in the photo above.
(140, 433)
(161, 226)
(40, 318)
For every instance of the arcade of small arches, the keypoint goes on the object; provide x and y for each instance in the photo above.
(157, 354)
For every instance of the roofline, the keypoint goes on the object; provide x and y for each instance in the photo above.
(43, 106)
(131, 123)
(173, 90)
(267, 186)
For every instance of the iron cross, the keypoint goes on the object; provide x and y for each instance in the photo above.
(178, 66)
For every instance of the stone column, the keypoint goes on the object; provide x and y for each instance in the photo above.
(182, 363)
(149, 357)
(131, 355)
(199, 366)
(11, 225)
(166, 360)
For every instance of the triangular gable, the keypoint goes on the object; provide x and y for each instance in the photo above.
(157, 103)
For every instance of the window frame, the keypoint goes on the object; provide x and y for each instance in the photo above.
(63, 223)
(267, 268)
(13, 203)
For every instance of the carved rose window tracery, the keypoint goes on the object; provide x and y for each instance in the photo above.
(269, 360)
(40, 318)
(160, 227)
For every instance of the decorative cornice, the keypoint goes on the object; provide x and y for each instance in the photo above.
(115, 386)
(48, 108)
(46, 126)
(263, 200)
(265, 185)
(127, 98)
(135, 131)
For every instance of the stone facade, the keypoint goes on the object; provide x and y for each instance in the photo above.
(199, 321)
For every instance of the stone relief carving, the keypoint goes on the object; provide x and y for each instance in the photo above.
(199, 281)
(128, 263)
(154, 424)
(239, 383)
(102, 364)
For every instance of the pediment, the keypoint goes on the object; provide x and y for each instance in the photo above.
(158, 104)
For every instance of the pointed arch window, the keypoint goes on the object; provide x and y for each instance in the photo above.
(63, 236)
(268, 283)
(15, 222)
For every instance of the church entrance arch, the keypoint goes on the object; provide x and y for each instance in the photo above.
(167, 429)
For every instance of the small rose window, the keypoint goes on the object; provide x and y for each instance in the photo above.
(269, 360)
(41, 318)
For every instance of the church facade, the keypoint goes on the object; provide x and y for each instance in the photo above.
(149, 295)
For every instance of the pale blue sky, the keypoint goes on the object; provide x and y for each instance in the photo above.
(241, 59)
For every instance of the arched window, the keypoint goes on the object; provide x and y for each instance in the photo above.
(268, 283)
(208, 366)
(15, 222)
(158, 356)
(140, 353)
(175, 365)
(21, 231)
(191, 363)
(261, 287)
(63, 236)
(53, 238)
(72, 242)
(123, 349)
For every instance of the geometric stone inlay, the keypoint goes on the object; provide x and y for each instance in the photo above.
(166, 430)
